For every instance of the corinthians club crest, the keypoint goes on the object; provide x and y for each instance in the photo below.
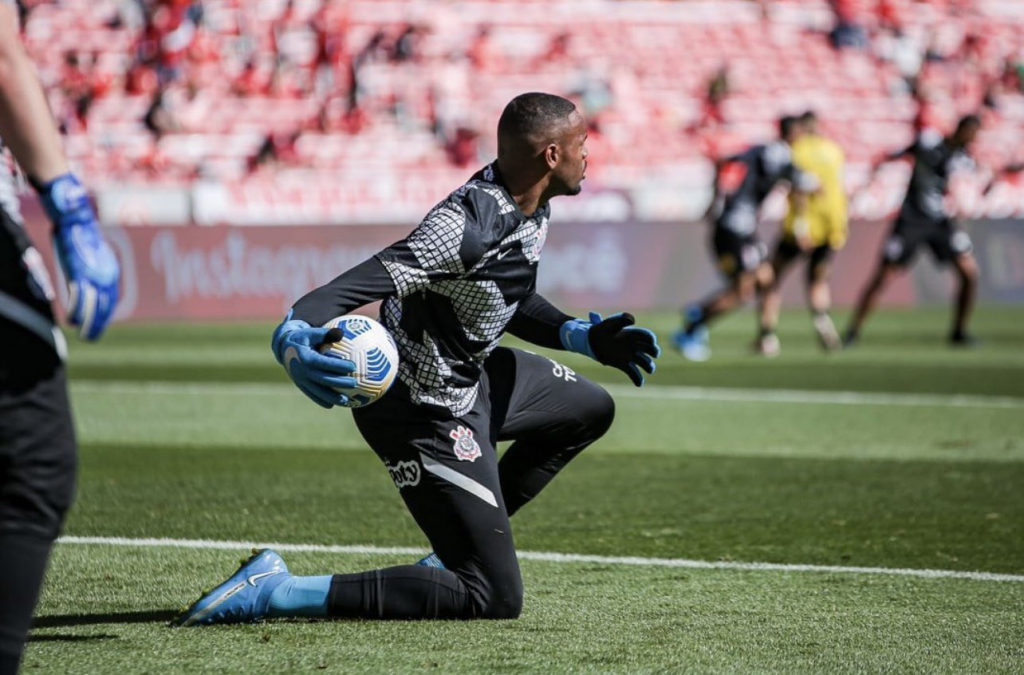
(538, 242)
(466, 447)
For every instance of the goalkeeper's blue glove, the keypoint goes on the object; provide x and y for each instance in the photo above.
(615, 342)
(88, 262)
(315, 374)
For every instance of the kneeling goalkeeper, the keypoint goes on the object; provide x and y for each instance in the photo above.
(450, 290)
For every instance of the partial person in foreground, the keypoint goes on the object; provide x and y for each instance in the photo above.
(739, 251)
(450, 290)
(925, 220)
(38, 454)
(816, 235)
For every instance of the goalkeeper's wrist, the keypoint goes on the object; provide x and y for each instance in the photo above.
(575, 337)
(61, 196)
(287, 327)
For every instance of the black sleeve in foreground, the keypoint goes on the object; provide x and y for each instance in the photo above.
(365, 283)
(538, 321)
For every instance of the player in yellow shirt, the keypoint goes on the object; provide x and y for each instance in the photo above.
(817, 235)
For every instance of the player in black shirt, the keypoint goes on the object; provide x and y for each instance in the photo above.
(740, 253)
(461, 279)
(38, 454)
(923, 219)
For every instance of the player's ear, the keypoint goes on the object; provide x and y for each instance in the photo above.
(552, 155)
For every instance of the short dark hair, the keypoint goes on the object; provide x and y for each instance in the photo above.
(968, 121)
(533, 115)
(787, 124)
(808, 116)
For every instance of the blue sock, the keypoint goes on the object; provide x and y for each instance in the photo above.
(300, 596)
(693, 317)
(693, 313)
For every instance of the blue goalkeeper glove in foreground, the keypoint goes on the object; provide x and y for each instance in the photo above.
(87, 260)
(315, 374)
(615, 342)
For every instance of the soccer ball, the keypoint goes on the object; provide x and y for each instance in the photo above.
(370, 346)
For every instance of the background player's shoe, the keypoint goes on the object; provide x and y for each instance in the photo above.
(693, 342)
(967, 340)
(694, 346)
(827, 333)
(768, 345)
(244, 597)
(431, 561)
(850, 339)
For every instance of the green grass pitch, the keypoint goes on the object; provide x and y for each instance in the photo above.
(193, 432)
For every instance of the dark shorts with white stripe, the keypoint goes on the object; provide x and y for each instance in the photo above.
(452, 481)
(912, 230)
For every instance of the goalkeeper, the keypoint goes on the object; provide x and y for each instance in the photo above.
(37, 440)
(450, 290)
(816, 236)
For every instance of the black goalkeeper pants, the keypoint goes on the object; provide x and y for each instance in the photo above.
(37, 477)
(448, 473)
(37, 445)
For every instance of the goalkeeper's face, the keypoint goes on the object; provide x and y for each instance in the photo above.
(571, 166)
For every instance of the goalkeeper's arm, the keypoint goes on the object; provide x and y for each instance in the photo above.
(890, 157)
(1000, 174)
(539, 322)
(28, 128)
(26, 124)
(295, 341)
(361, 285)
(612, 342)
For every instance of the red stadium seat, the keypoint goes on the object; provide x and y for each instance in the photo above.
(642, 69)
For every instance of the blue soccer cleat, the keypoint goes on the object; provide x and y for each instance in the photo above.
(694, 346)
(244, 597)
(693, 342)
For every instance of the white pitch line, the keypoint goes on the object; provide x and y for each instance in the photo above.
(544, 556)
(655, 392)
(803, 396)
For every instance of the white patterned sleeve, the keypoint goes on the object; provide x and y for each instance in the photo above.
(430, 252)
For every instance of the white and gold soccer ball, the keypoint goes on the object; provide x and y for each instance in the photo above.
(370, 346)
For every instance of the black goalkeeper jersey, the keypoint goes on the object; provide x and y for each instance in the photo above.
(451, 289)
(765, 165)
(934, 162)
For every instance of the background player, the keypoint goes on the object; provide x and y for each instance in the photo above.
(462, 278)
(738, 250)
(37, 441)
(923, 219)
(816, 235)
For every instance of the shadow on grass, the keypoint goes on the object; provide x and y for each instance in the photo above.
(70, 638)
(56, 620)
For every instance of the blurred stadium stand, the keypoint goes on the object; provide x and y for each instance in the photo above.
(308, 94)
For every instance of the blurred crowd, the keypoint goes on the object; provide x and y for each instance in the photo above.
(948, 66)
(185, 58)
(978, 67)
